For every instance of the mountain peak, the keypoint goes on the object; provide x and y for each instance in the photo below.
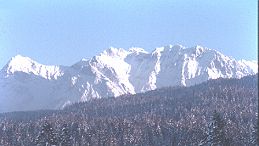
(19, 63)
(178, 46)
(137, 50)
(114, 52)
(26, 65)
(20, 59)
(199, 49)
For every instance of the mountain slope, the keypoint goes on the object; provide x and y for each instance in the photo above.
(166, 116)
(28, 85)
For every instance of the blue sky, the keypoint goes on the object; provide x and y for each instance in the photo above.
(65, 31)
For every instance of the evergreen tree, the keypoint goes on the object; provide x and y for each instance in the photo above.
(216, 132)
(65, 137)
(254, 139)
(46, 137)
(75, 133)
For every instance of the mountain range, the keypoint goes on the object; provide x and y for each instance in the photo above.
(28, 85)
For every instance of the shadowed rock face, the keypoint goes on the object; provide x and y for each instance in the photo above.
(28, 85)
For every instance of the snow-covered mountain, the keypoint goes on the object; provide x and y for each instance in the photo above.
(28, 85)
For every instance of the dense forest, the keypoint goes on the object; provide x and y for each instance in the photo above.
(217, 112)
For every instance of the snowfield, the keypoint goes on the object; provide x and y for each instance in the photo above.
(28, 85)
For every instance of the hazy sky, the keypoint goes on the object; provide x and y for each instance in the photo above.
(64, 31)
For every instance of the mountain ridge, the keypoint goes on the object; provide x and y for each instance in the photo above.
(113, 72)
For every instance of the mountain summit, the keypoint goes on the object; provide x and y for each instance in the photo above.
(28, 85)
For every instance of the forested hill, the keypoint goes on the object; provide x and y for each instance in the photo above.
(222, 111)
(220, 95)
